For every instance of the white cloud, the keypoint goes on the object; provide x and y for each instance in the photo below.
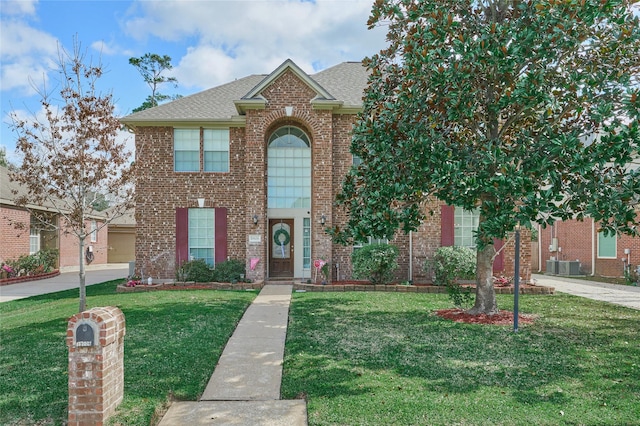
(27, 56)
(19, 7)
(232, 39)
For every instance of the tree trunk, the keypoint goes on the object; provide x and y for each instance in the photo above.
(83, 290)
(485, 292)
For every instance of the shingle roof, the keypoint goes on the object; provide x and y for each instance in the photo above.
(345, 82)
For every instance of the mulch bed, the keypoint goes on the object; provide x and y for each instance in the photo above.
(501, 318)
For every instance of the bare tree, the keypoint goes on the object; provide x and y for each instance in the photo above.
(72, 158)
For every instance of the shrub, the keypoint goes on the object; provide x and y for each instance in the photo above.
(195, 270)
(34, 264)
(375, 262)
(229, 271)
(450, 264)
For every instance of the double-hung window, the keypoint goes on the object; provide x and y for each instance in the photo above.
(202, 235)
(465, 226)
(186, 150)
(34, 240)
(216, 150)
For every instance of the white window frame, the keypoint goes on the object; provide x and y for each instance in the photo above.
(186, 140)
(216, 141)
(194, 236)
(93, 235)
(461, 228)
(34, 240)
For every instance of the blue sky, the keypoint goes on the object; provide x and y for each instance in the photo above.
(210, 42)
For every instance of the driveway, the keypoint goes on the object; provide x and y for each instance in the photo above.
(64, 281)
(623, 295)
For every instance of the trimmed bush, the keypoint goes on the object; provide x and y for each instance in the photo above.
(375, 262)
(450, 264)
(195, 270)
(229, 271)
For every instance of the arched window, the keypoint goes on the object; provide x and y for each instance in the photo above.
(289, 169)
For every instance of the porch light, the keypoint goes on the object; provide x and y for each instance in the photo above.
(323, 219)
(255, 219)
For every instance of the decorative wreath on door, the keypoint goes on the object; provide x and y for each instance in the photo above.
(283, 232)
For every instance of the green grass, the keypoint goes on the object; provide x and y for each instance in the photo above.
(386, 359)
(173, 341)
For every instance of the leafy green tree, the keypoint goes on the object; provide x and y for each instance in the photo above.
(72, 155)
(152, 67)
(524, 110)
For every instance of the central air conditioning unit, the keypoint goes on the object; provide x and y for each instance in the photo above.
(552, 267)
(566, 267)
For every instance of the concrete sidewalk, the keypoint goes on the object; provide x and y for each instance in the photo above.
(622, 295)
(245, 386)
(64, 281)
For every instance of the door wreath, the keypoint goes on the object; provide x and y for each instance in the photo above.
(283, 232)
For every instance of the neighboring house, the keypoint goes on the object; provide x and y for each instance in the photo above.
(21, 235)
(591, 252)
(249, 170)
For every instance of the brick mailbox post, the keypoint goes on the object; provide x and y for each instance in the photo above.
(95, 339)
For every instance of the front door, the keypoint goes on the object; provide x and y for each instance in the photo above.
(281, 248)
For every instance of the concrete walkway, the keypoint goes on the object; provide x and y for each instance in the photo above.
(64, 281)
(245, 386)
(622, 295)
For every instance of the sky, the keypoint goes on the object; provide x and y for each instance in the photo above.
(210, 42)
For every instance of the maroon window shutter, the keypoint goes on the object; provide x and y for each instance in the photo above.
(221, 234)
(182, 235)
(446, 225)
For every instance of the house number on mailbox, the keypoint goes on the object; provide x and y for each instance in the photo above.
(84, 335)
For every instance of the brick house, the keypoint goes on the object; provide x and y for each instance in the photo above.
(249, 170)
(29, 237)
(591, 252)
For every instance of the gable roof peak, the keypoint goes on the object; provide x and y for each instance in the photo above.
(288, 64)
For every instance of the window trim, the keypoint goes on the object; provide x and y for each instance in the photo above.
(199, 151)
(93, 235)
(227, 151)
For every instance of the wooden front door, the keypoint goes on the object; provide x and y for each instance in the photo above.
(281, 248)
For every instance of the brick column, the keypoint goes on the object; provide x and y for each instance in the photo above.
(96, 368)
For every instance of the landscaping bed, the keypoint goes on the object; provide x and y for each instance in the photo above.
(124, 288)
(26, 278)
(419, 288)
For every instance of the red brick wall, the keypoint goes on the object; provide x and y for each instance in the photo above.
(244, 189)
(68, 246)
(578, 241)
(15, 242)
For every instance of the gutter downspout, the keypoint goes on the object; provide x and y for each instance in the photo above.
(593, 248)
(410, 256)
(539, 248)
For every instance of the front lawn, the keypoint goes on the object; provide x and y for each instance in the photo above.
(172, 344)
(386, 359)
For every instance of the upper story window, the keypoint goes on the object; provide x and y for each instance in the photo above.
(289, 169)
(187, 148)
(216, 150)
